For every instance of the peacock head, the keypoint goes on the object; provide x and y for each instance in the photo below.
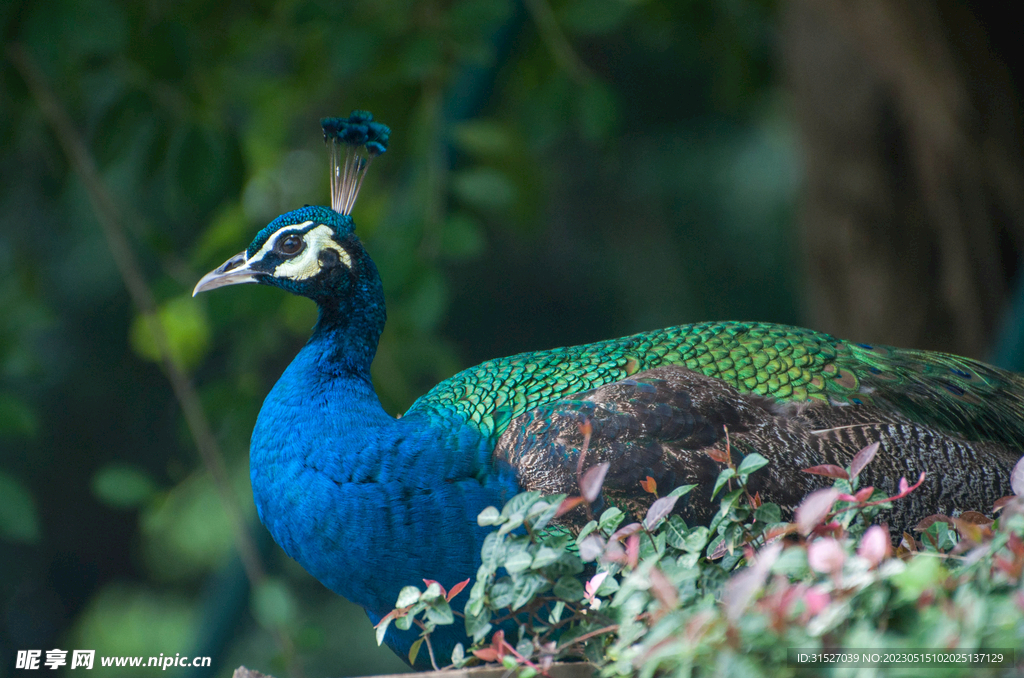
(313, 251)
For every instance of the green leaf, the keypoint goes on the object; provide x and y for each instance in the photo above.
(545, 517)
(526, 587)
(409, 595)
(462, 238)
(489, 516)
(570, 589)
(484, 138)
(723, 477)
(440, 613)
(433, 592)
(382, 628)
(17, 418)
(518, 559)
(675, 531)
(768, 513)
(546, 556)
(611, 519)
(478, 626)
(18, 518)
(514, 522)
(597, 106)
(751, 463)
(696, 539)
(122, 486)
(501, 593)
(405, 623)
(273, 604)
(458, 654)
(730, 500)
(475, 604)
(415, 650)
(492, 552)
(681, 490)
(486, 188)
(921, 573)
(515, 510)
(185, 329)
(587, 529)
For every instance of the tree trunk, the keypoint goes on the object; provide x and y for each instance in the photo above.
(912, 218)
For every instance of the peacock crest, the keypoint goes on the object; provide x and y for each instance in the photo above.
(354, 141)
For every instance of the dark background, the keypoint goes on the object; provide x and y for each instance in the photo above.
(560, 171)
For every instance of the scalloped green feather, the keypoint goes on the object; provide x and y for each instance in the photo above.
(787, 363)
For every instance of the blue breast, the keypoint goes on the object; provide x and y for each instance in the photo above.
(366, 503)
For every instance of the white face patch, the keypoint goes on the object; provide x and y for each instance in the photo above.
(307, 263)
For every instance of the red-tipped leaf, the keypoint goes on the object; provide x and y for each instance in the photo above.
(862, 459)
(718, 455)
(592, 481)
(1017, 478)
(650, 486)
(815, 508)
(568, 504)
(828, 470)
(456, 590)
(659, 510)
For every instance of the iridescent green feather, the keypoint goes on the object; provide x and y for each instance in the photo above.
(783, 362)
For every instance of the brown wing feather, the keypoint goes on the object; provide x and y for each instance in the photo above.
(663, 422)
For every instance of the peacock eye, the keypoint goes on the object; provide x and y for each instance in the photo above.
(291, 245)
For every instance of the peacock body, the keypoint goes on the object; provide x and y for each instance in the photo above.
(368, 503)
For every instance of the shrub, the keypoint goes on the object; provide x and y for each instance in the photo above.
(739, 596)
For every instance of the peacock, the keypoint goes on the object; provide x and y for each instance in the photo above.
(368, 503)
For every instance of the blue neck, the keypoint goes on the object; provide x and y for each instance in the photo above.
(350, 325)
(367, 503)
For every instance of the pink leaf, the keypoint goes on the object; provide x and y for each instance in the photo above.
(875, 545)
(814, 508)
(815, 600)
(864, 493)
(594, 584)
(828, 470)
(659, 510)
(487, 654)
(633, 550)
(614, 553)
(862, 459)
(1017, 478)
(825, 555)
(741, 588)
(663, 589)
(591, 548)
(625, 531)
(592, 480)
(904, 490)
(1002, 501)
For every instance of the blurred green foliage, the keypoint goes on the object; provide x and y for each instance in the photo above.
(558, 173)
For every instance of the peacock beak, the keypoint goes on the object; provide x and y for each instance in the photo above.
(234, 271)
